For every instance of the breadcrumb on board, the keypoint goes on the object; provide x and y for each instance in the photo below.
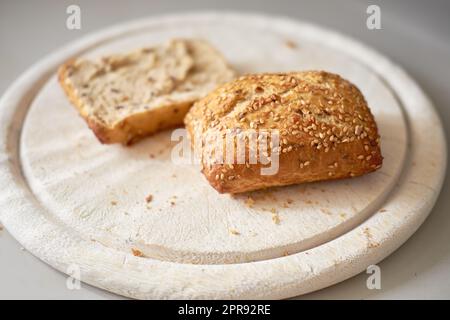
(149, 198)
(137, 253)
(234, 232)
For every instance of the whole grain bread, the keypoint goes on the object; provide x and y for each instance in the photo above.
(124, 97)
(326, 130)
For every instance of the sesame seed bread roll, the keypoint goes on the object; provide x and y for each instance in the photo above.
(124, 97)
(326, 130)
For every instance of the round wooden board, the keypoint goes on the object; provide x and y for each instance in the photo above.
(70, 200)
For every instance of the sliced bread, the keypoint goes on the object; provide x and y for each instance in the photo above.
(125, 97)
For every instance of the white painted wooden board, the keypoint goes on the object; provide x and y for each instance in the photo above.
(69, 199)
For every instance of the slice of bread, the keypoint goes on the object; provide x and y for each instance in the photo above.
(125, 97)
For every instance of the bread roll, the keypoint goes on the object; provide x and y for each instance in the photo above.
(326, 130)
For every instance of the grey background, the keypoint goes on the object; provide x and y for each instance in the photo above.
(415, 34)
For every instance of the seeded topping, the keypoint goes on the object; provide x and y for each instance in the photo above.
(318, 107)
(316, 113)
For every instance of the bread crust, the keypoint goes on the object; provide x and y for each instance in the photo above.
(326, 128)
(135, 126)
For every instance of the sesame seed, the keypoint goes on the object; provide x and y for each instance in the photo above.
(234, 232)
(275, 217)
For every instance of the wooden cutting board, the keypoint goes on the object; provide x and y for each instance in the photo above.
(74, 202)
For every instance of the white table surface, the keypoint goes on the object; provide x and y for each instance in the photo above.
(415, 34)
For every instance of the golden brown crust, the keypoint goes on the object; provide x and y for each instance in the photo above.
(101, 132)
(326, 128)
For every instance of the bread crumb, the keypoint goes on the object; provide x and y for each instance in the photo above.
(371, 243)
(275, 216)
(149, 198)
(234, 232)
(291, 44)
(172, 200)
(383, 210)
(113, 202)
(326, 211)
(137, 253)
(343, 215)
(250, 202)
